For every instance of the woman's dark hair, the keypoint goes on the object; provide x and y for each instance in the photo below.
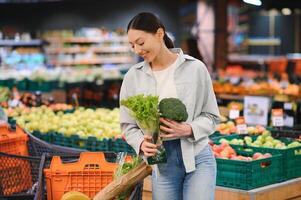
(148, 22)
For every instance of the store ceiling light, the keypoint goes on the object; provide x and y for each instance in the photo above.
(286, 11)
(274, 12)
(253, 2)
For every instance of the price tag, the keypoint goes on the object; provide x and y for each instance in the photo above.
(13, 103)
(289, 121)
(234, 80)
(241, 125)
(288, 106)
(234, 111)
(284, 84)
(277, 117)
(256, 110)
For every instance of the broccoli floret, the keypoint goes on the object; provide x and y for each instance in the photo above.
(174, 109)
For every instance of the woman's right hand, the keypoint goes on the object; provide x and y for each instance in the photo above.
(147, 147)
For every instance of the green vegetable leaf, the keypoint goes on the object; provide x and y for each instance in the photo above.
(144, 108)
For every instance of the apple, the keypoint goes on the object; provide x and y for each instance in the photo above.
(237, 141)
(217, 148)
(251, 130)
(275, 142)
(257, 156)
(269, 139)
(280, 146)
(260, 138)
(268, 144)
(294, 144)
(266, 133)
(267, 155)
(248, 139)
(223, 140)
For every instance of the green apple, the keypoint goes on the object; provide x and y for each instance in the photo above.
(260, 138)
(257, 143)
(293, 144)
(279, 146)
(248, 139)
(223, 140)
(234, 141)
(275, 142)
(269, 139)
(251, 129)
(266, 133)
(268, 144)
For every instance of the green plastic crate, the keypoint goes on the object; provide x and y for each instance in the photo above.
(2, 83)
(215, 135)
(43, 86)
(70, 141)
(47, 137)
(291, 157)
(119, 145)
(22, 85)
(247, 175)
(7, 83)
(94, 144)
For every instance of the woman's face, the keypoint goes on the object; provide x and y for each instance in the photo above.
(147, 45)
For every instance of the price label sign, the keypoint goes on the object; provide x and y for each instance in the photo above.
(256, 110)
(277, 117)
(288, 121)
(234, 111)
(241, 125)
(288, 106)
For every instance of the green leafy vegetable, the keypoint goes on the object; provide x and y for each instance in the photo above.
(144, 108)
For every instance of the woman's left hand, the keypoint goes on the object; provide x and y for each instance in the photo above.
(172, 129)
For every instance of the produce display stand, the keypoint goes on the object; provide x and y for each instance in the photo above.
(288, 190)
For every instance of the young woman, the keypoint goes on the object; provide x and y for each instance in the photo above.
(190, 171)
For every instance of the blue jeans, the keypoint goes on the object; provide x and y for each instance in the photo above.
(173, 183)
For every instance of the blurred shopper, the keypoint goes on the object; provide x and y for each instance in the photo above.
(190, 47)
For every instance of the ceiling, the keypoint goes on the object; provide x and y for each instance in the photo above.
(278, 4)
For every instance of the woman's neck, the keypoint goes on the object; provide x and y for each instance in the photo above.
(163, 59)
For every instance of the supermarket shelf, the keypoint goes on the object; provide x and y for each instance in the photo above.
(294, 56)
(264, 41)
(121, 49)
(108, 48)
(116, 60)
(21, 43)
(256, 59)
(93, 40)
(230, 97)
(75, 50)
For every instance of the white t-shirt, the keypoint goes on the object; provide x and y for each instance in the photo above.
(165, 81)
(166, 87)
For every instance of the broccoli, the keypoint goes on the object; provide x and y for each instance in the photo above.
(174, 109)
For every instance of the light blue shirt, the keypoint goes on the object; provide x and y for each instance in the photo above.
(194, 89)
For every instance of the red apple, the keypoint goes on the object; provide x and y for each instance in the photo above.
(217, 148)
(267, 155)
(257, 155)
